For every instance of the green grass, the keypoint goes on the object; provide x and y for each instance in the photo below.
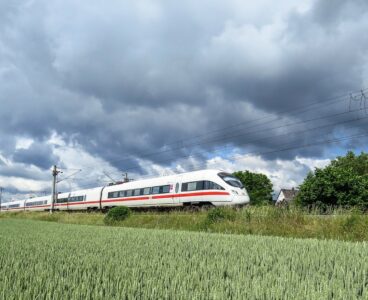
(338, 224)
(43, 260)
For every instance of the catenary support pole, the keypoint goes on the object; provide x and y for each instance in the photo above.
(1, 193)
(53, 195)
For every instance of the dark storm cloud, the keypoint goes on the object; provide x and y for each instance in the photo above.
(125, 79)
(333, 13)
(23, 171)
(38, 154)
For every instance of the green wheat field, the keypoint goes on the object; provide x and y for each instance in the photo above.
(43, 260)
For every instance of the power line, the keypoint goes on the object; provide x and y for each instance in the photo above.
(299, 110)
(329, 101)
(275, 136)
(241, 156)
(264, 130)
(333, 100)
(305, 108)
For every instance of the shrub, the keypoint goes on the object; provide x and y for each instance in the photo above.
(343, 183)
(258, 186)
(117, 214)
(220, 214)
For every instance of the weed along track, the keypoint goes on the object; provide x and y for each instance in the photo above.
(61, 261)
(344, 225)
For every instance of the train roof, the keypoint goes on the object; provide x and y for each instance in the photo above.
(173, 177)
(131, 183)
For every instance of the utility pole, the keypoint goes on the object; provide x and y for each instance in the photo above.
(55, 172)
(1, 193)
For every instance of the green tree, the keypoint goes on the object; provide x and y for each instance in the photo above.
(342, 183)
(259, 186)
(358, 163)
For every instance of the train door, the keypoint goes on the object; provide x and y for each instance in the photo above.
(177, 189)
(176, 198)
(67, 202)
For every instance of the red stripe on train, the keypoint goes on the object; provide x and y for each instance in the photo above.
(196, 194)
(192, 195)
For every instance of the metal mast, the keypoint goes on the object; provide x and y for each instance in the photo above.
(55, 172)
(1, 193)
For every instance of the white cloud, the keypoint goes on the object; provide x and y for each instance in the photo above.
(24, 185)
(23, 143)
(282, 173)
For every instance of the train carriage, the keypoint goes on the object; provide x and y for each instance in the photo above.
(195, 188)
(38, 203)
(15, 206)
(204, 187)
(79, 200)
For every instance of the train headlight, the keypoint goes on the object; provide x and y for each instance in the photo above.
(234, 192)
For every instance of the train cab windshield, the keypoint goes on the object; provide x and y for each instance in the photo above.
(231, 180)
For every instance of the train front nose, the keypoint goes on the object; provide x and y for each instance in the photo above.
(241, 197)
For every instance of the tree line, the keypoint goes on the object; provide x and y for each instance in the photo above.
(342, 183)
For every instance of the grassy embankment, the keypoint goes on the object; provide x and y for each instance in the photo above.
(271, 221)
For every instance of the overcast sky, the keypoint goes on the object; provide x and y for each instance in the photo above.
(156, 87)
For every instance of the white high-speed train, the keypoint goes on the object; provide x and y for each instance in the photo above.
(212, 187)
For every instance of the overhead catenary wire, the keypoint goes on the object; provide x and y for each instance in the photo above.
(239, 156)
(274, 136)
(206, 142)
(315, 105)
(265, 130)
(289, 124)
(329, 101)
(283, 134)
(270, 119)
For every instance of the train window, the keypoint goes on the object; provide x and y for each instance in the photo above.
(13, 205)
(156, 190)
(177, 188)
(129, 193)
(36, 203)
(200, 185)
(192, 186)
(146, 191)
(137, 192)
(217, 187)
(121, 194)
(110, 195)
(81, 198)
(164, 189)
(209, 185)
(231, 180)
(62, 200)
